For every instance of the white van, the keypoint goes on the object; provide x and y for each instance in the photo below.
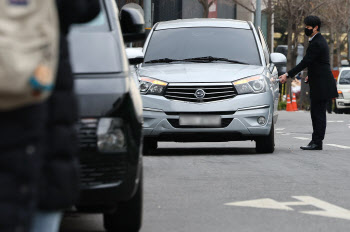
(343, 85)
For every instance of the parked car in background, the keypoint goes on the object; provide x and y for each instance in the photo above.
(110, 127)
(342, 103)
(209, 80)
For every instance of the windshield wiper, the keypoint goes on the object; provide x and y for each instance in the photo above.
(196, 59)
(211, 59)
(163, 60)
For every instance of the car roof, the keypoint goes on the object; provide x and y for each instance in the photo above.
(186, 23)
(344, 69)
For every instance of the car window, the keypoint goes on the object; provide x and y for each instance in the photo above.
(265, 47)
(186, 43)
(344, 78)
(99, 23)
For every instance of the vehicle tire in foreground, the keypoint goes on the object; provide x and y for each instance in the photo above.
(128, 216)
(149, 146)
(337, 110)
(266, 144)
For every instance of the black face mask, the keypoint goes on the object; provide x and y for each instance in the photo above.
(308, 32)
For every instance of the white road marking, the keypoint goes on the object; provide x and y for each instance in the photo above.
(279, 132)
(285, 134)
(280, 129)
(339, 146)
(328, 210)
(335, 121)
(301, 138)
(266, 203)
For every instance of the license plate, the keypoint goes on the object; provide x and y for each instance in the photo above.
(200, 120)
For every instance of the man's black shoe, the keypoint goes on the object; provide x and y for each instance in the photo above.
(312, 146)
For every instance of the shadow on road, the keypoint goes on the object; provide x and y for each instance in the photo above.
(79, 222)
(196, 151)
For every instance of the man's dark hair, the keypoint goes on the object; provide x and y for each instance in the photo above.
(313, 21)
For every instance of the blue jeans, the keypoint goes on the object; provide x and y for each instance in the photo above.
(46, 221)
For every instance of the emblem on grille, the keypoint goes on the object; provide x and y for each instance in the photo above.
(200, 93)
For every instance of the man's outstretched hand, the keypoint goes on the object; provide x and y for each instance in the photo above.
(283, 78)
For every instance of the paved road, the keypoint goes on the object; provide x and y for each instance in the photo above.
(187, 186)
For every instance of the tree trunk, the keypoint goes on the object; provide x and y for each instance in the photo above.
(289, 54)
(331, 47)
(338, 50)
(269, 24)
(295, 48)
(205, 6)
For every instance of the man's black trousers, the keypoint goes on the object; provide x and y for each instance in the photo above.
(319, 120)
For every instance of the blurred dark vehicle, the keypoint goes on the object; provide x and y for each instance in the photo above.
(282, 69)
(110, 128)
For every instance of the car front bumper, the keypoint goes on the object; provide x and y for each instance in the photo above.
(343, 103)
(121, 177)
(239, 113)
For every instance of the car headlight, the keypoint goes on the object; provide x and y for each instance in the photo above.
(340, 94)
(152, 86)
(110, 135)
(255, 84)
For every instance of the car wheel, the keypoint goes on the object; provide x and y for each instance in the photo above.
(149, 146)
(266, 144)
(337, 110)
(128, 216)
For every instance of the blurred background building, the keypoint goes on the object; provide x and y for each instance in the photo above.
(164, 10)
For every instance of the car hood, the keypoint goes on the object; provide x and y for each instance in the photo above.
(200, 72)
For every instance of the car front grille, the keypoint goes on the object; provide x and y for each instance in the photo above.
(96, 168)
(224, 123)
(87, 130)
(213, 92)
(99, 169)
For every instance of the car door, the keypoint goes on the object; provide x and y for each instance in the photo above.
(343, 83)
(272, 70)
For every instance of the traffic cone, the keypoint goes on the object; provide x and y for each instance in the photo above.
(294, 103)
(289, 104)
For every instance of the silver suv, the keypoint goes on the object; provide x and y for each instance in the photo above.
(209, 80)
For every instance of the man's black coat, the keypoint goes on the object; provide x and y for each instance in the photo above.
(316, 59)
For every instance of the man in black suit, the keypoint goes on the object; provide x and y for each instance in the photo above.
(320, 78)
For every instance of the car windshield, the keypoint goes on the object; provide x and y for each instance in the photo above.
(345, 77)
(93, 47)
(99, 23)
(226, 45)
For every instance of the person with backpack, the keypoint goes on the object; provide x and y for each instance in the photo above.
(38, 166)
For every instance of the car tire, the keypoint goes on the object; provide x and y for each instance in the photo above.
(266, 144)
(149, 146)
(337, 110)
(128, 216)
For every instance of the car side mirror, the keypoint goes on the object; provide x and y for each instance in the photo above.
(132, 24)
(278, 59)
(135, 55)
